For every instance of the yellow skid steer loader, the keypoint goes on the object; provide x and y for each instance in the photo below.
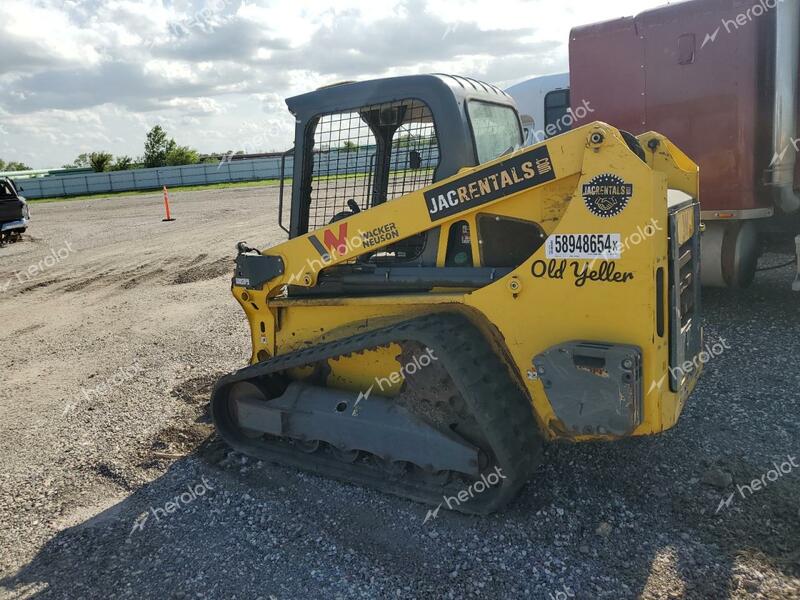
(449, 300)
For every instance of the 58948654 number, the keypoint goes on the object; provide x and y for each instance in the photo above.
(584, 245)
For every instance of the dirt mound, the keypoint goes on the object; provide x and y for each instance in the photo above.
(204, 271)
(176, 441)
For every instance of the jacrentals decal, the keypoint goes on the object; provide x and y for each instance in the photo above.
(580, 273)
(527, 170)
(607, 195)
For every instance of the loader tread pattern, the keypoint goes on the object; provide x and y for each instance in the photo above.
(491, 391)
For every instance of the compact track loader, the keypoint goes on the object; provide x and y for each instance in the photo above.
(449, 300)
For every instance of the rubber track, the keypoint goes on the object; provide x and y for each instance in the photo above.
(501, 408)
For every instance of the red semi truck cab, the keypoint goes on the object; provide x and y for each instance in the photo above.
(720, 79)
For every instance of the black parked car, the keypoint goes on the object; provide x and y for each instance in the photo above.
(14, 212)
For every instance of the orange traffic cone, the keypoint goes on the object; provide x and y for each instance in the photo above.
(166, 205)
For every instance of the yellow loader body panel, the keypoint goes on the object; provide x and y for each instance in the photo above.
(450, 300)
(547, 300)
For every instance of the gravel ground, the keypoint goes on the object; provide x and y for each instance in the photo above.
(109, 353)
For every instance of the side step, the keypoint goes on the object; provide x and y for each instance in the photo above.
(381, 426)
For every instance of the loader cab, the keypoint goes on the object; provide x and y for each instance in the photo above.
(358, 145)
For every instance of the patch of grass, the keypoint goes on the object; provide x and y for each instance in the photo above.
(185, 188)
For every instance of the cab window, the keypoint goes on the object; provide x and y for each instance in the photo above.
(495, 127)
(556, 107)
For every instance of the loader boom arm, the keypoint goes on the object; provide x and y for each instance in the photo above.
(541, 165)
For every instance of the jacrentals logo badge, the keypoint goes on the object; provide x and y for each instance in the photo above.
(607, 195)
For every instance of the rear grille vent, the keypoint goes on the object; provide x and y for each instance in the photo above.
(684, 290)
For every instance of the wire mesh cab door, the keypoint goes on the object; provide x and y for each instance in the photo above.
(360, 158)
(361, 144)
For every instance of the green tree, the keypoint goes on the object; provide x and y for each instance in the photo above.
(13, 166)
(349, 146)
(404, 141)
(414, 140)
(156, 147)
(81, 161)
(122, 163)
(100, 161)
(182, 155)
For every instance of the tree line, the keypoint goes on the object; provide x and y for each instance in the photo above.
(13, 166)
(160, 150)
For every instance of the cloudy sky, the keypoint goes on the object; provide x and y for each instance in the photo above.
(87, 75)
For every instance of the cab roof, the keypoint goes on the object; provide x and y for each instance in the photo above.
(435, 89)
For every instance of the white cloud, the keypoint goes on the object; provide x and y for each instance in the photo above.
(35, 37)
(84, 75)
(196, 106)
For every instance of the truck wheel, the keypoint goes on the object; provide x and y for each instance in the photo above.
(729, 253)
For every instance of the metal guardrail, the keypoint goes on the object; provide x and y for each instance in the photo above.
(53, 186)
(149, 179)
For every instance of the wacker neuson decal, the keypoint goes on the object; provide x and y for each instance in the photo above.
(381, 234)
